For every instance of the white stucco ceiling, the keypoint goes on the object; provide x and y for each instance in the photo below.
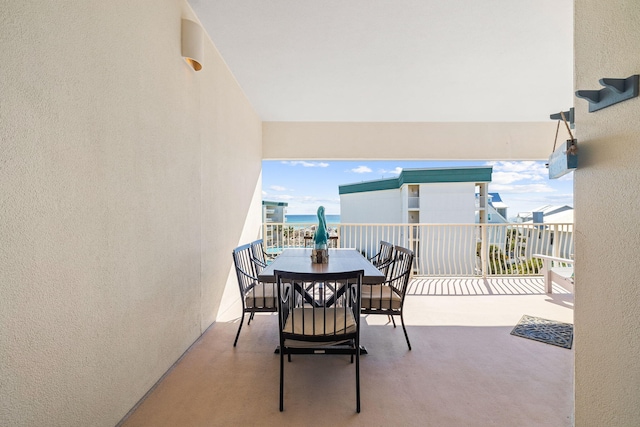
(397, 60)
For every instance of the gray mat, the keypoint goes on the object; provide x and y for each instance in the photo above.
(546, 331)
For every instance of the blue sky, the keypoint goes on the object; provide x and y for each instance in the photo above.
(305, 185)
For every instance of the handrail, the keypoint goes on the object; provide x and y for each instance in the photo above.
(552, 275)
(554, 258)
(446, 250)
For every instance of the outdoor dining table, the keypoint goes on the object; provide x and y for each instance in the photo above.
(298, 260)
(340, 261)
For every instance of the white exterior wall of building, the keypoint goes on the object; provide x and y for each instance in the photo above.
(447, 203)
(444, 203)
(371, 207)
(404, 194)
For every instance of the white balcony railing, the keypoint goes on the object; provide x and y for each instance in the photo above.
(445, 249)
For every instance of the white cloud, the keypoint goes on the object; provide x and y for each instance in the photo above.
(362, 169)
(524, 166)
(278, 188)
(524, 188)
(309, 205)
(510, 172)
(503, 178)
(395, 171)
(306, 164)
(567, 177)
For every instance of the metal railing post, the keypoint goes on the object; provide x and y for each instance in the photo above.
(555, 246)
(483, 249)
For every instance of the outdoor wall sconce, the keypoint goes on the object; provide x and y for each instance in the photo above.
(614, 91)
(192, 43)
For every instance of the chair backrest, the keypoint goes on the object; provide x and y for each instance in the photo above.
(317, 308)
(386, 252)
(383, 259)
(257, 252)
(399, 271)
(260, 294)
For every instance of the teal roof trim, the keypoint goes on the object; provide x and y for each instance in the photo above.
(264, 202)
(421, 176)
(381, 184)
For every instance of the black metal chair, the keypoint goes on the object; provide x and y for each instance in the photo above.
(256, 296)
(260, 256)
(384, 257)
(388, 298)
(312, 322)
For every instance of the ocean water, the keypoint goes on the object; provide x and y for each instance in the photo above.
(311, 219)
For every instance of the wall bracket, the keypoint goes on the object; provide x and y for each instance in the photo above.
(568, 115)
(614, 91)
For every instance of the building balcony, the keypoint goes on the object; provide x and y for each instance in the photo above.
(465, 369)
(413, 202)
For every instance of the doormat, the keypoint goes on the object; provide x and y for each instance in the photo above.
(546, 331)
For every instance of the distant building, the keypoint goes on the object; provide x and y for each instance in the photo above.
(437, 195)
(547, 214)
(554, 236)
(419, 196)
(496, 209)
(273, 212)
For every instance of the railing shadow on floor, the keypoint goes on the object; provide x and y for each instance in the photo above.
(478, 286)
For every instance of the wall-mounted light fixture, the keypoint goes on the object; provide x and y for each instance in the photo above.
(192, 43)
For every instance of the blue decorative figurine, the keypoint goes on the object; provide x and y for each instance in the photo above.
(322, 235)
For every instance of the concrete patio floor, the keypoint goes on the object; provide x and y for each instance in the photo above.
(465, 368)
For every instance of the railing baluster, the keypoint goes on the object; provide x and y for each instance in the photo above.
(444, 249)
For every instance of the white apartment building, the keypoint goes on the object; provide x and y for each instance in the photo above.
(434, 196)
(273, 212)
(421, 196)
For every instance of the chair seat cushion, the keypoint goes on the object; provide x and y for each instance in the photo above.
(262, 295)
(381, 297)
(327, 322)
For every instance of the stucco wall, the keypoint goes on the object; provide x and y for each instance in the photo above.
(408, 141)
(607, 241)
(119, 167)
